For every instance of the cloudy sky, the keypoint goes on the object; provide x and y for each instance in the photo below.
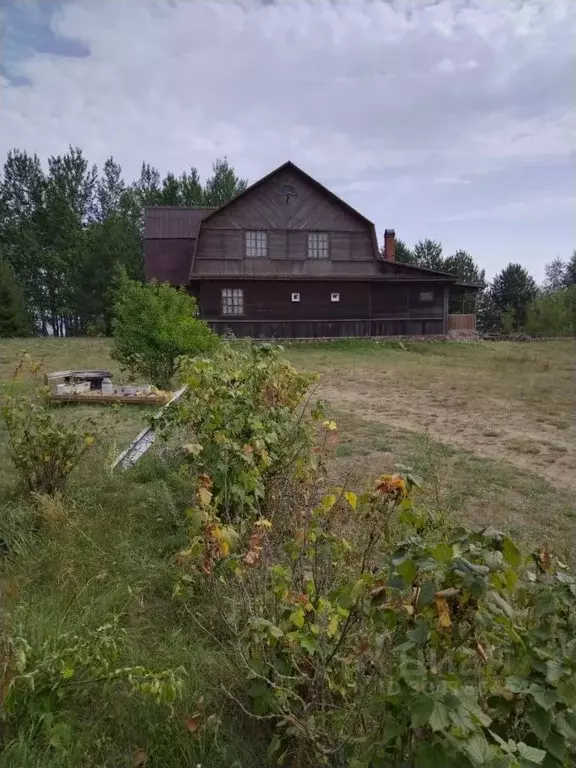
(450, 119)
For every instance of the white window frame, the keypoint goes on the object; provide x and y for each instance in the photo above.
(318, 245)
(334, 297)
(426, 297)
(232, 301)
(256, 243)
(295, 297)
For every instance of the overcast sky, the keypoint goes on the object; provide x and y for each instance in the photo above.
(453, 119)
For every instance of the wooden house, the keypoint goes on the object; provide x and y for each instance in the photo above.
(287, 258)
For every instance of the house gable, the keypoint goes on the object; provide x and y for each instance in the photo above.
(287, 204)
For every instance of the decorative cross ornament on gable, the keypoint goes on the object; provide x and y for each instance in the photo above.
(288, 193)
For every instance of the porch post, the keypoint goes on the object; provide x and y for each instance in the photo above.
(446, 305)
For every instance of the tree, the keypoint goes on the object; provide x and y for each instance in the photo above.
(555, 272)
(553, 314)
(14, 319)
(403, 253)
(428, 253)
(570, 272)
(463, 265)
(154, 325)
(513, 290)
(223, 185)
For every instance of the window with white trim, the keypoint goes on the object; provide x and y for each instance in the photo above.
(334, 297)
(426, 297)
(295, 297)
(318, 245)
(256, 244)
(232, 301)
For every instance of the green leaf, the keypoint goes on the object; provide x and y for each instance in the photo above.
(351, 498)
(258, 688)
(531, 754)
(556, 746)
(540, 721)
(511, 553)
(408, 571)
(309, 643)
(422, 708)
(567, 692)
(517, 684)
(427, 591)
(440, 717)
(443, 552)
(413, 673)
(273, 747)
(554, 671)
(419, 634)
(461, 719)
(500, 741)
(544, 698)
(566, 725)
(478, 749)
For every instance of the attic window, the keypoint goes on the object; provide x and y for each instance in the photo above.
(334, 297)
(318, 245)
(232, 301)
(426, 297)
(296, 297)
(256, 244)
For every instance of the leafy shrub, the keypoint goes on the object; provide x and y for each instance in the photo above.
(43, 447)
(40, 681)
(553, 314)
(374, 639)
(243, 412)
(154, 325)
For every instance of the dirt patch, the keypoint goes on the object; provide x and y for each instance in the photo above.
(481, 424)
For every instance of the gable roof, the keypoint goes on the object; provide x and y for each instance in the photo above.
(289, 165)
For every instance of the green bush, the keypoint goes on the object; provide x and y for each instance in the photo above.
(42, 445)
(553, 314)
(41, 681)
(374, 638)
(154, 324)
(242, 417)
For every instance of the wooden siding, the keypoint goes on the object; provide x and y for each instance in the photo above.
(364, 309)
(221, 243)
(462, 323)
(168, 260)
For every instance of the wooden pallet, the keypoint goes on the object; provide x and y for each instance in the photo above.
(93, 398)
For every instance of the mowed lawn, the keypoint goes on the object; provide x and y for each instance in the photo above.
(491, 426)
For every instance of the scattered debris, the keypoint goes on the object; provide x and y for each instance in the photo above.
(97, 387)
(144, 440)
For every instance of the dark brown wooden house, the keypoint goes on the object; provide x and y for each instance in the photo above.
(289, 259)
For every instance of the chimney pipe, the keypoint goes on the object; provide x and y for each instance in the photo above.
(390, 245)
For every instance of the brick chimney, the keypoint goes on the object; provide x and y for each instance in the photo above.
(390, 245)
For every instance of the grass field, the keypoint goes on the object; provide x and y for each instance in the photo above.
(489, 426)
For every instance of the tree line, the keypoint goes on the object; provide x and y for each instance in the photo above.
(67, 228)
(512, 301)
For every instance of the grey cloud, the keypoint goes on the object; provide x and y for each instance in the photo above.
(401, 106)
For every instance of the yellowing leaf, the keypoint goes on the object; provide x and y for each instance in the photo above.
(90, 440)
(330, 426)
(194, 449)
(332, 626)
(351, 498)
(297, 618)
(205, 496)
(444, 619)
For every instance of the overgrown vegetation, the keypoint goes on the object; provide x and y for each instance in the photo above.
(291, 622)
(43, 447)
(155, 324)
(554, 313)
(14, 319)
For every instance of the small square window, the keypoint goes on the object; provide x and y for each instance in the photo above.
(334, 297)
(426, 297)
(318, 245)
(232, 301)
(256, 244)
(295, 297)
